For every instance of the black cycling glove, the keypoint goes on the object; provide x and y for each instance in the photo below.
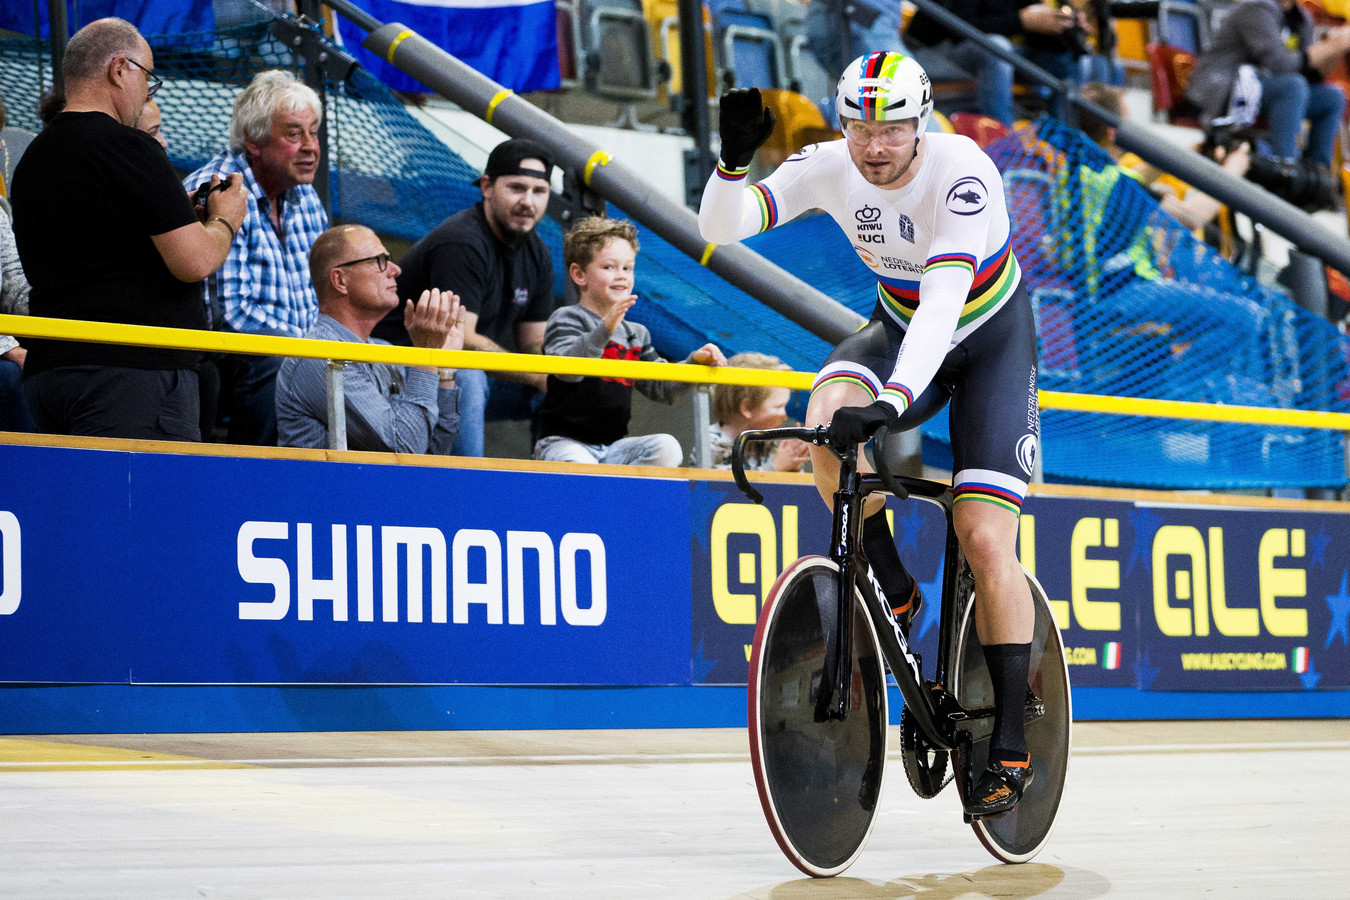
(744, 124)
(856, 424)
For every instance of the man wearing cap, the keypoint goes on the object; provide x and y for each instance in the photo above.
(490, 256)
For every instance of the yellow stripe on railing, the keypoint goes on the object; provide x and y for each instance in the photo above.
(269, 345)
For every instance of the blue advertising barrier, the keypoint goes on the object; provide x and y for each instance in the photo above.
(186, 592)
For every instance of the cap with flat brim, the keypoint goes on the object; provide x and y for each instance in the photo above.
(506, 159)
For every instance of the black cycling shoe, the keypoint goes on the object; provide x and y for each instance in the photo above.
(905, 615)
(998, 789)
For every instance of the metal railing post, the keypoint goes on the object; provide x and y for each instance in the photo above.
(702, 424)
(337, 406)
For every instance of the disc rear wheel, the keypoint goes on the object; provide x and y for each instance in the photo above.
(1018, 835)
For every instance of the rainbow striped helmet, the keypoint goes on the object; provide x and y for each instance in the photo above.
(883, 87)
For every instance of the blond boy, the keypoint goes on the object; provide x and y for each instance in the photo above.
(585, 419)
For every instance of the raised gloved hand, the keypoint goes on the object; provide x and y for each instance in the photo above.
(744, 124)
(856, 424)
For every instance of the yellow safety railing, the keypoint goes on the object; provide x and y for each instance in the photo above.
(267, 345)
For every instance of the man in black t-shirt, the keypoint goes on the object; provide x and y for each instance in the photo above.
(503, 273)
(107, 234)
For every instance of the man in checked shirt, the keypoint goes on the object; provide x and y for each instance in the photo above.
(264, 286)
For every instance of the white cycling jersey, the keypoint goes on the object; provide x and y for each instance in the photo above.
(939, 246)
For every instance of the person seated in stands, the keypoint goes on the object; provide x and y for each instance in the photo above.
(1188, 206)
(1047, 34)
(400, 409)
(1266, 48)
(491, 256)
(264, 287)
(872, 25)
(585, 419)
(745, 407)
(106, 233)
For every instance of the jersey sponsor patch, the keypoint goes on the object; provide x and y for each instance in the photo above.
(906, 228)
(866, 255)
(870, 229)
(968, 196)
(1026, 454)
(802, 153)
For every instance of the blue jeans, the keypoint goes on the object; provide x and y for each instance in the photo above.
(994, 75)
(13, 405)
(482, 399)
(1286, 100)
(824, 41)
(643, 450)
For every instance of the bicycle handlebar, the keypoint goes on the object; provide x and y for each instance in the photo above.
(820, 436)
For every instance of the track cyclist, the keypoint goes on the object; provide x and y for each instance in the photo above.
(926, 214)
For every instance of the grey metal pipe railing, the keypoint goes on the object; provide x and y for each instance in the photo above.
(1261, 206)
(795, 299)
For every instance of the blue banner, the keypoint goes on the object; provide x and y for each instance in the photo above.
(739, 548)
(149, 568)
(155, 568)
(151, 17)
(513, 42)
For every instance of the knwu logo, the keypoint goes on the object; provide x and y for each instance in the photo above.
(11, 563)
(452, 592)
(869, 225)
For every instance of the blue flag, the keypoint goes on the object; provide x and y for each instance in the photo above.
(513, 42)
(151, 17)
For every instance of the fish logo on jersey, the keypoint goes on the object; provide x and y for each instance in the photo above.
(1026, 454)
(906, 228)
(968, 196)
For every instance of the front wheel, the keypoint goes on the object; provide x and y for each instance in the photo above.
(819, 778)
(1018, 835)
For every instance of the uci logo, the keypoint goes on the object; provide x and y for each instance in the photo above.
(868, 214)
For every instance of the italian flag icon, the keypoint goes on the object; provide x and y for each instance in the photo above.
(1111, 655)
(1301, 661)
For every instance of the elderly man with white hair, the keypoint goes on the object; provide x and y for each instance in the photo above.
(264, 286)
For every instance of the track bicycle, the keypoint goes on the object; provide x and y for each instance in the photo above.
(817, 705)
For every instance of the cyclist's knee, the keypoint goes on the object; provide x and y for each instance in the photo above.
(828, 398)
(988, 541)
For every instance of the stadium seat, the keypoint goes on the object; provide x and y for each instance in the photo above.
(1182, 25)
(800, 123)
(983, 130)
(568, 42)
(616, 49)
(751, 54)
(663, 20)
(1169, 70)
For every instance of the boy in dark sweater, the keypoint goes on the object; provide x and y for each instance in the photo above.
(585, 420)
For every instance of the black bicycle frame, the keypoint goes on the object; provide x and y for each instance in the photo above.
(937, 725)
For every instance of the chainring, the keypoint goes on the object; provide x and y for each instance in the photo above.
(925, 767)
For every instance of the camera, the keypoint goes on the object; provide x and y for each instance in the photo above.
(1076, 40)
(1303, 183)
(200, 194)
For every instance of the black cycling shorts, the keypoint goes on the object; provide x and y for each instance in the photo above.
(989, 379)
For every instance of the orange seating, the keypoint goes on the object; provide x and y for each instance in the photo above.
(983, 130)
(800, 123)
(1169, 70)
(664, 18)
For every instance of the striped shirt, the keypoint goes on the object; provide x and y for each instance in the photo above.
(264, 284)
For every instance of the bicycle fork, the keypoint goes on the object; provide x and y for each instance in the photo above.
(837, 685)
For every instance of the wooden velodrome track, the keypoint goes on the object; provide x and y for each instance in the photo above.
(1236, 809)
